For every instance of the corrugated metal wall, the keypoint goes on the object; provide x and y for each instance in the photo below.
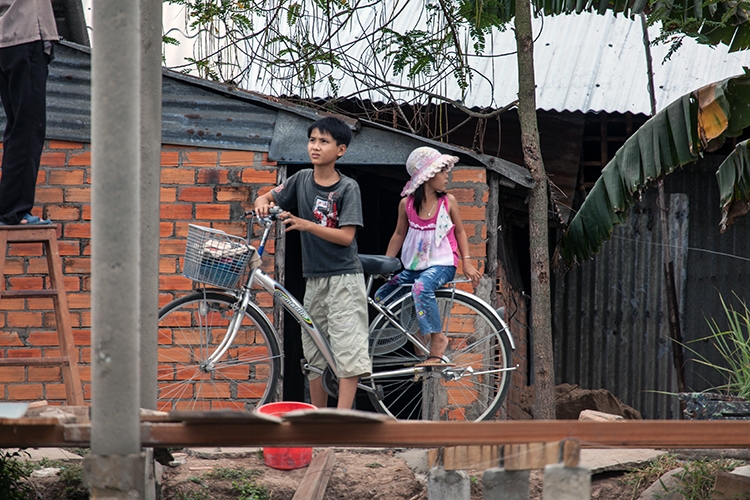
(610, 323)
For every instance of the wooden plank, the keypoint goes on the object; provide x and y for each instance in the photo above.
(334, 416)
(46, 361)
(633, 434)
(530, 456)
(628, 434)
(471, 457)
(571, 452)
(313, 485)
(730, 485)
(25, 294)
(222, 417)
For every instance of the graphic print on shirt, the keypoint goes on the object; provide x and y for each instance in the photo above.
(325, 211)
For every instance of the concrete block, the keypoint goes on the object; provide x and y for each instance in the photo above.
(448, 485)
(115, 477)
(566, 483)
(501, 484)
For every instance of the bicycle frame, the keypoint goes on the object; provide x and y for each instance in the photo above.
(298, 312)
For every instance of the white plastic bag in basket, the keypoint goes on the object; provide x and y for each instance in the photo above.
(218, 249)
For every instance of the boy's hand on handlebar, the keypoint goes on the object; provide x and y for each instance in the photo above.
(263, 208)
(292, 223)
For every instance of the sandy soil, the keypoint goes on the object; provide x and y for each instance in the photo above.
(357, 475)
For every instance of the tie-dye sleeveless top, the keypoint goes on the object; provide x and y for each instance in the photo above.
(429, 242)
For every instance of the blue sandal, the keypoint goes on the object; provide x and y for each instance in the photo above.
(33, 220)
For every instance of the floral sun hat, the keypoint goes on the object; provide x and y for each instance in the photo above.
(423, 163)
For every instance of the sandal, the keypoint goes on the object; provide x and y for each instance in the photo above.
(440, 362)
(33, 220)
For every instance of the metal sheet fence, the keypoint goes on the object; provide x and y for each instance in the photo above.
(610, 323)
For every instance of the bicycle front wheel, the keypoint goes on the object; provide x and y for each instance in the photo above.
(190, 329)
(471, 390)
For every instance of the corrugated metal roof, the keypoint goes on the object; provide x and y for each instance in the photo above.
(191, 115)
(583, 62)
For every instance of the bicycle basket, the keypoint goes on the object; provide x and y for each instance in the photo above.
(215, 257)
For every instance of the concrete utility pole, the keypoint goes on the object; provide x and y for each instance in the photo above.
(116, 468)
(151, 29)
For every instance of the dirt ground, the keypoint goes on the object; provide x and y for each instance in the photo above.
(357, 475)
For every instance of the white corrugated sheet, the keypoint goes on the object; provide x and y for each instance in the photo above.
(583, 63)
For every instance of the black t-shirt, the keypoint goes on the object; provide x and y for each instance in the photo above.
(335, 206)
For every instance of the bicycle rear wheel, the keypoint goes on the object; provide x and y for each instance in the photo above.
(473, 390)
(190, 329)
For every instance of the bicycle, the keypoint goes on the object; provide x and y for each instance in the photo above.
(219, 350)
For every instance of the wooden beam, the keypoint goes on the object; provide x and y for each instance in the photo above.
(313, 485)
(352, 433)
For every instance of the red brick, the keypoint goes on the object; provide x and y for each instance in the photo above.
(212, 212)
(265, 160)
(253, 175)
(237, 158)
(167, 266)
(79, 300)
(176, 211)
(170, 158)
(61, 213)
(14, 266)
(72, 283)
(177, 176)
(80, 265)
(78, 195)
(167, 194)
(49, 195)
(50, 159)
(12, 305)
(40, 304)
(476, 174)
(171, 283)
(26, 283)
(53, 144)
(67, 177)
(81, 230)
(42, 338)
(25, 249)
(201, 158)
(166, 229)
(41, 176)
(226, 193)
(24, 392)
(86, 213)
(172, 247)
(469, 213)
(24, 319)
(24, 353)
(463, 195)
(213, 176)
(71, 247)
(10, 339)
(264, 189)
(195, 193)
(80, 160)
(44, 373)
(54, 392)
(12, 374)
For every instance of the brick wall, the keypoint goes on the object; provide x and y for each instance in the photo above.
(207, 187)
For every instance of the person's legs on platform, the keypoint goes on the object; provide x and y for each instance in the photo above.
(23, 82)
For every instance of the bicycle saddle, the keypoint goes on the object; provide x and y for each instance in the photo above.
(379, 264)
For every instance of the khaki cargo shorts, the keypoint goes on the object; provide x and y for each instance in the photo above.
(338, 306)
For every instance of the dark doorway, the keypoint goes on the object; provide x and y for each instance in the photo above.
(380, 187)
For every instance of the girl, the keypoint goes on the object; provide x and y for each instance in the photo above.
(431, 237)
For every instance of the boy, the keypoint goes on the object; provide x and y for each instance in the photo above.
(330, 210)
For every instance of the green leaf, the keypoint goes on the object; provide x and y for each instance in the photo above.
(675, 136)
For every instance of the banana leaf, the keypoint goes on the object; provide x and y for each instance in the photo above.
(675, 136)
(733, 177)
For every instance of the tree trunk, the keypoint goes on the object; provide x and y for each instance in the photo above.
(541, 317)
